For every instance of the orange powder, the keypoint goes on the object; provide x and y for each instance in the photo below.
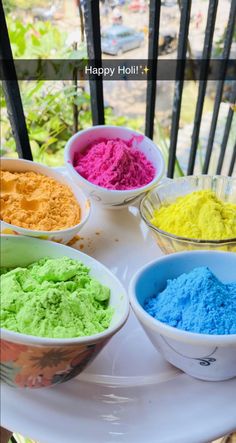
(35, 201)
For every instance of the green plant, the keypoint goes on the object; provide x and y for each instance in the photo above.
(49, 106)
(11, 5)
(163, 144)
(40, 40)
(217, 51)
(49, 118)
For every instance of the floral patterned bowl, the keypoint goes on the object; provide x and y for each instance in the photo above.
(35, 362)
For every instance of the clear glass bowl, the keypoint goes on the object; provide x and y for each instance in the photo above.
(168, 192)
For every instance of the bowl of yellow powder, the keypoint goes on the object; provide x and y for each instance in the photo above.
(192, 212)
(59, 308)
(41, 202)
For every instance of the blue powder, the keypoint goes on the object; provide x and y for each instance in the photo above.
(196, 302)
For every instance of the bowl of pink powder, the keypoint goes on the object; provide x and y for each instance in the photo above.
(114, 165)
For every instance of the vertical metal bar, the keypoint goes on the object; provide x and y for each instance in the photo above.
(12, 93)
(233, 161)
(93, 34)
(209, 32)
(226, 131)
(220, 86)
(75, 106)
(153, 39)
(185, 9)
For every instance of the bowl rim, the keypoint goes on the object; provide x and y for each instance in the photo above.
(152, 183)
(178, 237)
(27, 339)
(69, 184)
(170, 331)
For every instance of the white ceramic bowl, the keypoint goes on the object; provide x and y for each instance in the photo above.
(63, 235)
(204, 356)
(112, 198)
(63, 359)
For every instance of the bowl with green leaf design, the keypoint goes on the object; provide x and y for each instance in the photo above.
(48, 334)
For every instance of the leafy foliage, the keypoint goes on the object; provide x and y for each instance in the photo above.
(49, 119)
(10, 5)
(37, 40)
(49, 116)
(220, 43)
(48, 106)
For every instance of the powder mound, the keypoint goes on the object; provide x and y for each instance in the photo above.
(114, 164)
(35, 201)
(198, 215)
(55, 298)
(196, 302)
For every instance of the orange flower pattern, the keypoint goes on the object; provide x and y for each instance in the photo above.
(10, 351)
(38, 366)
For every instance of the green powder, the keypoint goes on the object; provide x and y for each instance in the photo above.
(54, 298)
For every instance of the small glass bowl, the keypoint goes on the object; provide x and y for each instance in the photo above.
(168, 192)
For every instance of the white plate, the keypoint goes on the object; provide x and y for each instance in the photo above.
(129, 394)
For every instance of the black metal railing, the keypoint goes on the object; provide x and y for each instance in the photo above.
(220, 86)
(179, 84)
(213, 4)
(93, 35)
(12, 92)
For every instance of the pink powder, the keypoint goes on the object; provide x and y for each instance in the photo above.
(114, 164)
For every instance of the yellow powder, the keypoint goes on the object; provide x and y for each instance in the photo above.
(199, 215)
(35, 201)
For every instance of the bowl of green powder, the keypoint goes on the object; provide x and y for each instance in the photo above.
(59, 308)
(192, 213)
(186, 304)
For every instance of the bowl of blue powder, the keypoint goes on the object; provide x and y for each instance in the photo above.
(186, 304)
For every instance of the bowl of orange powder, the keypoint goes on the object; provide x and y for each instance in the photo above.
(41, 202)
